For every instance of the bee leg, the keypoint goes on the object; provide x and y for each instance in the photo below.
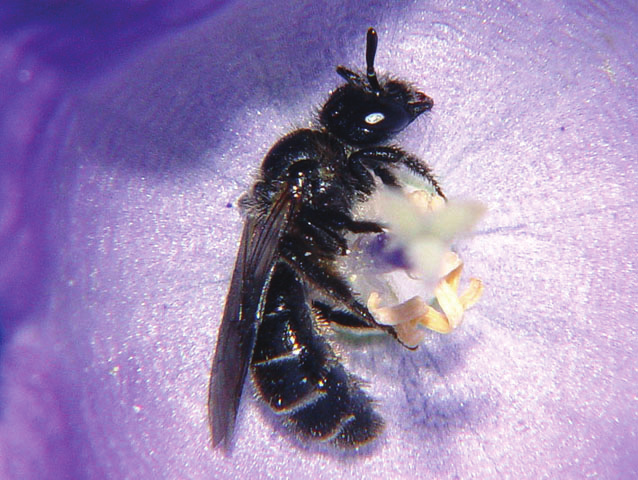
(375, 157)
(377, 160)
(386, 176)
(362, 180)
(327, 313)
(358, 226)
(421, 169)
(327, 239)
(309, 265)
(326, 232)
(328, 282)
(342, 220)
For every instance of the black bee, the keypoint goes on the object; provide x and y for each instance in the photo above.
(285, 281)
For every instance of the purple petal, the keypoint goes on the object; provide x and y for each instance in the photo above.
(128, 128)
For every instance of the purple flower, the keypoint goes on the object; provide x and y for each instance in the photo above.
(127, 133)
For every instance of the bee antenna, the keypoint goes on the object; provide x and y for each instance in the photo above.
(371, 51)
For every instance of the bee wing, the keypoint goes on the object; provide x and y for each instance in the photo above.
(235, 342)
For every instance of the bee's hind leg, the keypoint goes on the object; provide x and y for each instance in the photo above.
(345, 319)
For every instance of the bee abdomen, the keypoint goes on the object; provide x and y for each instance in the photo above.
(342, 412)
(296, 373)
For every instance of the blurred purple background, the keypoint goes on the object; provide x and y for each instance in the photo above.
(129, 129)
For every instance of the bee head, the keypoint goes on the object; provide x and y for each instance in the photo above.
(365, 112)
